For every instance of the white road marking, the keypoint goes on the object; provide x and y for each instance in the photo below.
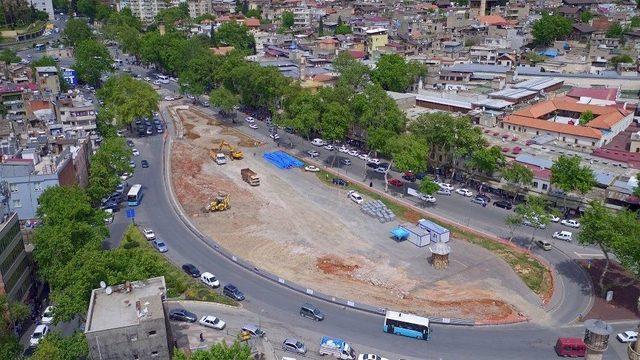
(588, 255)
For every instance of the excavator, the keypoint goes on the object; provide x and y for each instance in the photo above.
(232, 151)
(220, 203)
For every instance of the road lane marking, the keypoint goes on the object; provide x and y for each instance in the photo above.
(588, 255)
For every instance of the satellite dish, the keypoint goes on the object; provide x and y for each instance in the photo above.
(103, 284)
(109, 290)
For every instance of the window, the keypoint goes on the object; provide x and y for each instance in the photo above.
(136, 357)
(575, 141)
(154, 354)
(535, 184)
(545, 186)
(13, 187)
(16, 203)
(37, 186)
(152, 333)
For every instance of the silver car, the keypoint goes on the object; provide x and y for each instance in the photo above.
(294, 346)
(160, 245)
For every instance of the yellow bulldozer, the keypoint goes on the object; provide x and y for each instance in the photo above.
(226, 148)
(220, 203)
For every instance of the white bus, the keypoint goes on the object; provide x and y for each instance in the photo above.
(134, 196)
(407, 325)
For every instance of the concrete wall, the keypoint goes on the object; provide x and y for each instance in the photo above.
(126, 342)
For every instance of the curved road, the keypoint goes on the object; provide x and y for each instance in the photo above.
(270, 301)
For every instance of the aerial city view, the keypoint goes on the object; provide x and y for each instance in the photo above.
(319, 179)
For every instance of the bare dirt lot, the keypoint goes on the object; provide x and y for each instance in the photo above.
(295, 226)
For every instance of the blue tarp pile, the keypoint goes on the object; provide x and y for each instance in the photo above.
(282, 160)
(400, 233)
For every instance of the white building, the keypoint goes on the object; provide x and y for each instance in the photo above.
(44, 5)
(146, 10)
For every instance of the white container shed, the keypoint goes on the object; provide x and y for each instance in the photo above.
(417, 235)
(437, 233)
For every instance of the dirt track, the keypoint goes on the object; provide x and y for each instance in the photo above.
(295, 226)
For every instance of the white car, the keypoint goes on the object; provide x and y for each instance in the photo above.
(38, 334)
(249, 119)
(343, 149)
(213, 322)
(313, 153)
(132, 164)
(253, 125)
(444, 192)
(148, 234)
(370, 357)
(570, 223)
(445, 186)
(108, 216)
(135, 152)
(374, 161)
(209, 279)
(464, 192)
(534, 222)
(318, 142)
(364, 157)
(47, 315)
(355, 197)
(562, 235)
(156, 82)
(275, 136)
(146, 78)
(330, 147)
(125, 176)
(628, 336)
(311, 168)
(354, 153)
(554, 218)
(427, 198)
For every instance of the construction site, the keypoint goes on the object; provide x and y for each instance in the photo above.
(290, 223)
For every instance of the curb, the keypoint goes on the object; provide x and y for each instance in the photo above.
(266, 275)
(175, 300)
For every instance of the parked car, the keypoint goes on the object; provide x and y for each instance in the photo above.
(503, 204)
(311, 311)
(355, 197)
(373, 165)
(294, 346)
(275, 136)
(191, 270)
(329, 147)
(290, 130)
(313, 153)
(135, 152)
(318, 142)
(47, 315)
(543, 244)
(570, 223)
(382, 168)
(254, 330)
(464, 192)
(444, 192)
(253, 125)
(144, 164)
(343, 149)
(554, 218)
(370, 357)
(364, 157)
(533, 222)
(484, 197)
(340, 182)
(233, 292)
(311, 168)
(427, 198)
(396, 183)
(445, 186)
(409, 176)
(354, 152)
(149, 234)
(38, 333)
(345, 162)
(213, 322)
(249, 119)
(563, 235)
(160, 245)
(374, 161)
(132, 164)
(182, 315)
(209, 279)
(627, 336)
(479, 200)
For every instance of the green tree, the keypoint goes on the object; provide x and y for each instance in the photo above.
(128, 99)
(224, 99)
(87, 8)
(569, 176)
(199, 76)
(110, 160)
(287, 19)
(75, 31)
(428, 187)
(408, 153)
(550, 28)
(13, 313)
(321, 27)
(598, 227)
(92, 60)
(7, 56)
(302, 113)
(342, 29)
(518, 176)
(585, 117)
(635, 22)
(395, 74)
(56, 346)
(254, 13)
(353, 74)
(236, 35)
(586, 16)
(61, 6)
(203, 17)
(513, 222)
(377, 117)
(636, 190)
(462, 3)
(172, 15)
(615, 30)
(487, 160)
(219, 351)
(620, 59)
(534, 210)
(335, 120)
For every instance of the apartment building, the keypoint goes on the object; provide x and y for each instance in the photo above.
(146, 10)
(44, 5)
(77, 114)
(199, 7)
(13, 97)
(47, 80)
(15, 266)
(128, 321)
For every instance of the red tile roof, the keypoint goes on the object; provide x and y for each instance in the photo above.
(492, 20)
(547, 125)
(252, 22)
(594, 93)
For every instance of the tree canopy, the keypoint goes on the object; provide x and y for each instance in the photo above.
(550, 28)
(518, 176)
(92, 60)
(287, 19)
(237, 35)
(59, 347)
(128, 99)
(75, 31)
(568, 175)
(487, 160)
(219, 351)
(8, 56)
(110, 160)
(395, 74)
(224, 99)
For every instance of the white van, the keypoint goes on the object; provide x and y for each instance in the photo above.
(209, 279)
(563, 235)
(163, 78)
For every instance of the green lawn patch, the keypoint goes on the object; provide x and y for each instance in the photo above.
(179, 284)
(534, 274)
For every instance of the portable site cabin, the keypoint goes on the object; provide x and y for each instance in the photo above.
(436, 232)
(416, 234)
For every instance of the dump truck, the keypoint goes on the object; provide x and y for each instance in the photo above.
(250, 177)
(220, 203)
(337, 348)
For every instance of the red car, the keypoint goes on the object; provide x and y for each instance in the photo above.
(395, 182)
(409, 176)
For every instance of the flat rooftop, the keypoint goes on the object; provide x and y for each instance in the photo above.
(126, 305)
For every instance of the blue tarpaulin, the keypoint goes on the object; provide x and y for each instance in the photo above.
(400, 233)
(550, 52)
(282, 160)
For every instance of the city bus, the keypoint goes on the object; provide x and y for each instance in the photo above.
(134, 195)
(40, 47)
(407, 325)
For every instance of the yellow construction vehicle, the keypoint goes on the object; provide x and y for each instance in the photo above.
(226, 148)
(220, 203)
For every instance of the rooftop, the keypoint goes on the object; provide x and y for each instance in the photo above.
(126, 305)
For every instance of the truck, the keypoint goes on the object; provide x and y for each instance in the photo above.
(337, 348)
(250, 177)
(221, 159)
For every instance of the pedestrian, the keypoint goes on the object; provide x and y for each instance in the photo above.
(201, 337)
(370, 184)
